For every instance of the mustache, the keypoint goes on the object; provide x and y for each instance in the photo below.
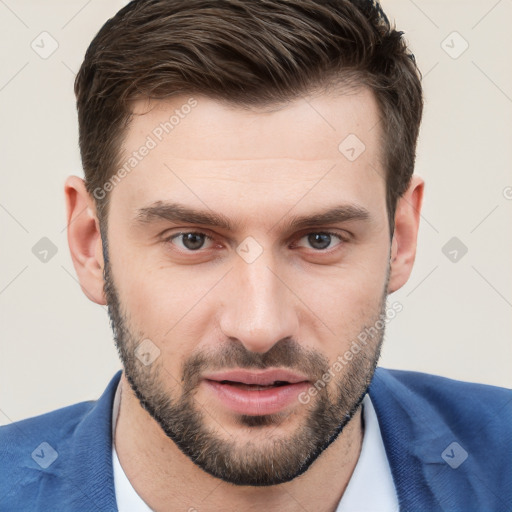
(286, 353)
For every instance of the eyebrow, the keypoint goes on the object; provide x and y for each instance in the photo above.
(175, 212)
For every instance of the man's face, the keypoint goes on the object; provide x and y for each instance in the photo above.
(223, 276)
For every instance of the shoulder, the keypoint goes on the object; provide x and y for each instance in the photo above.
(427, 406)
(451, 401)
(60, 460)
(433, 425)
(443, 391)
(61, 423)
(34, 444)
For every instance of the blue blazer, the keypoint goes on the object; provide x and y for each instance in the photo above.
(449, 445)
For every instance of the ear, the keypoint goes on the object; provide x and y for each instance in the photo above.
(84, 239)
(403, 245)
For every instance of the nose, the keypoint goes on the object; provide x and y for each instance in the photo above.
(258, 309)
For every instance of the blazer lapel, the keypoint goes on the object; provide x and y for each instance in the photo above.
(428, 445)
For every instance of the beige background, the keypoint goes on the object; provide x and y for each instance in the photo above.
(56, 347)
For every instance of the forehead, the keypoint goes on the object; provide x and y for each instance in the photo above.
(208, 129)
(233, 159)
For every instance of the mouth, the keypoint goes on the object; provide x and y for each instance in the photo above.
(271, 377)
(255, 387)
(256, 392)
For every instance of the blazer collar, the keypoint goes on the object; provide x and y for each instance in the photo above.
(416, 419)
(92, 451)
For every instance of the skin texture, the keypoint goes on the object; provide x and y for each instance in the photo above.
(260, 170)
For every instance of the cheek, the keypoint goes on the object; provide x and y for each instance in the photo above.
(346, 300)
(169, 305)
(155, 300)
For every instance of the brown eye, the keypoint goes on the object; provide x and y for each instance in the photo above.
(190, 241)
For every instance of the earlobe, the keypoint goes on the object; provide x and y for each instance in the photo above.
(403, 245)
(84, 239)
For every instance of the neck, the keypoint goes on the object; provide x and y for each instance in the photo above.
(166, 479)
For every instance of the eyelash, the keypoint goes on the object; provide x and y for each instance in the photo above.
(342, 239)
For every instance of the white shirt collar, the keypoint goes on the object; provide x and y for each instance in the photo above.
(370, 489)
(127, 498)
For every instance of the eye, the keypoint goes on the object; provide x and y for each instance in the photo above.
(321, 240)
(190, 241)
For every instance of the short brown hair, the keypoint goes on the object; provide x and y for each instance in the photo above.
(250, 53)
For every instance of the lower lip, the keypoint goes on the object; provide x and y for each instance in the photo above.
(257, 402)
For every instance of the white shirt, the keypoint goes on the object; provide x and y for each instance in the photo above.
(127, 498)
(370, 489)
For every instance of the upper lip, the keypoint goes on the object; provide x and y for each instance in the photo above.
(262, 377)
